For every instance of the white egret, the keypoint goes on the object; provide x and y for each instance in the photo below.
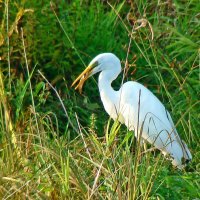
(136, 107)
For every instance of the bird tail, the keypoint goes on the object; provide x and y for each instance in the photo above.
(187, 157)
(180, 152)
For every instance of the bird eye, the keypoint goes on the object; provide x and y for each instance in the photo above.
(95, 64)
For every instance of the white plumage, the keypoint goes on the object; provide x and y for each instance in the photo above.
(136, 107)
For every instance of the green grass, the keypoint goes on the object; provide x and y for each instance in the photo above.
(57, 144)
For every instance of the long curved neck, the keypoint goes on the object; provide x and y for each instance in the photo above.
(105, 80)
(108, 95)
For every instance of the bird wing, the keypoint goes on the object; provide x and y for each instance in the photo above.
(146, 115)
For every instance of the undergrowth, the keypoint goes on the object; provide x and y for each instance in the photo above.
(47, 152)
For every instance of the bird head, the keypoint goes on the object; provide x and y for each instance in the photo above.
(102, 62)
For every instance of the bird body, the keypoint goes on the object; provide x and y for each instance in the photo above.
(136, 107)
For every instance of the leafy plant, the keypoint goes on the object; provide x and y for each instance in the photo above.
(46, 154)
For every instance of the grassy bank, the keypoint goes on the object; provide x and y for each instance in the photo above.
(57, 144)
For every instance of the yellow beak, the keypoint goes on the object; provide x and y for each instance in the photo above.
(82, 78)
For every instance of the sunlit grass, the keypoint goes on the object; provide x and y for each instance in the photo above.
(47, 152)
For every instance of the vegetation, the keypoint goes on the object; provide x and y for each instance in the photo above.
(48, 152)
